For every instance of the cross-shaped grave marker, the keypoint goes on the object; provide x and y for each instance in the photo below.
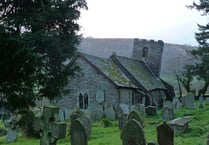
(49, 127)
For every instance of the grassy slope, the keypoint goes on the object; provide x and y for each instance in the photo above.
(195, 135)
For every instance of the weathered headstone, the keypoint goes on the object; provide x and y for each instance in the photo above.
(165, 134)
(189, 101)
(109, 113)
(176, 102)
(133, 133)
(168, 104)
(122, 120)
(96, 112)
(118, 110)
(134, 115)
(151, 110)
(207, 100)
(201, 99)
(78, 134)
(11, 135)
(140, 108)
(100, 95)
(124, 107)
(167, 113)
(86, 122)
(179, 124)
(97, 115)
(49, 127)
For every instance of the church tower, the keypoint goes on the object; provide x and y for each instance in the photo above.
(150, 52)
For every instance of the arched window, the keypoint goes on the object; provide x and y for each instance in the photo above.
(145, 52)
(83, 101)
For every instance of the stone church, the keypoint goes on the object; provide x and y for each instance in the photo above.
(118, 80)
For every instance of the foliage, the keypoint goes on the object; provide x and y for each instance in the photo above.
(202, 53)
(186, 78)
(36, 39)
(106, 122)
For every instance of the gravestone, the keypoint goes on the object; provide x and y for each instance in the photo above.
(167, 113)
(201, 99)
(78, 134)
(140, 108)
(179, 124)
(133, 133)
(118, 110)
(86, 122)
(134, 115)
(122, 120)
(100, 95)
(165, 134)
(49, 127)
(151, 110)
(168, 104)
(124, 107)
(11, 135)
(109, 113)
(176, 103)
(96, 112)
(207, 100)
(189, 101)
(97, 115)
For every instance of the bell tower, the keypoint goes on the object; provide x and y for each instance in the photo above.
(150, 52)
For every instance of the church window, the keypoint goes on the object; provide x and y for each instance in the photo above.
(83, 101)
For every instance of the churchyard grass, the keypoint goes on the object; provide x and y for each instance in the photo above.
(101, 135)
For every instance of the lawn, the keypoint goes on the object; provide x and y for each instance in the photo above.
(195, 135)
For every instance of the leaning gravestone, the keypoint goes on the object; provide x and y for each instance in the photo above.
(134, 115)
(133, 133)
(167, 113)
(49, 127)
(11, 135)
(86, 122)
(122, 120)
(165, 134)
(189, 101)
(151, 110)
(78, 134)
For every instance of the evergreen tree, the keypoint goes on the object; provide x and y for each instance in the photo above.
(201, 68)
(37, 37)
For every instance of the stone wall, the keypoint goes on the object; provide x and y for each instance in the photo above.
(89, 81)
(153, 55)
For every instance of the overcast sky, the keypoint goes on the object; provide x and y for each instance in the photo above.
(168, 20)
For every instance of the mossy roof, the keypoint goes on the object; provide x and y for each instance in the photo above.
(140, 71)
(136, 68)
(110, 70)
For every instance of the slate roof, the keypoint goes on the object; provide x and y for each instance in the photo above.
(139, 75)
(141, 72)
(108, 68)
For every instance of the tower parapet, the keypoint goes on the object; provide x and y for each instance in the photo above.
(150, 51)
